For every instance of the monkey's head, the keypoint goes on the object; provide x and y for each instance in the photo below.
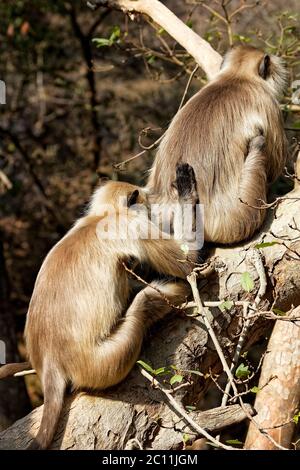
(118, 194)
(251, 63)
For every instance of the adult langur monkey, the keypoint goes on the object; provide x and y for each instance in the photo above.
(212, 133)
(83, 328)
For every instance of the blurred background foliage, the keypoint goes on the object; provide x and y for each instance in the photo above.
(86, 90)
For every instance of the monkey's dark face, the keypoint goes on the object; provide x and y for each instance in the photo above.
(248, 62)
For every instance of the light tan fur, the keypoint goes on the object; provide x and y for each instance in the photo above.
(81, 328)
(212, 133)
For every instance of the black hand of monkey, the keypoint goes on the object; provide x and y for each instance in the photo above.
(185, 180)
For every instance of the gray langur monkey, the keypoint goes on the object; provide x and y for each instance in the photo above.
(83, 329)
(212, 133)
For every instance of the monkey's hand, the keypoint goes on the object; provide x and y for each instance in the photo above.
(186, 182)
(257, 143)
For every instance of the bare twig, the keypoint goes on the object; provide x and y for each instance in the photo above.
(256, 260)
(188, 86)
(272, 205)
(237, 353)
(192, 279)
(25, 372)
(119, 166)
(181, 411)
(138, 278)
(5, 181)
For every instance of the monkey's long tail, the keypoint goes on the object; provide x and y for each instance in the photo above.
(10, 369)
(54, 385)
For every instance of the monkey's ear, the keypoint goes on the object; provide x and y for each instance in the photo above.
(264, 67)
(102, 181)
(132, 198)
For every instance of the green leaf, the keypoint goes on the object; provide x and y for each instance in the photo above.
(196, 372)
(234, 442)
(247, 282)
(186, 438)
(254, 389)
(146, 366)
(101, 42)
(208, 36)
(296, 418)
(176, 379)
(242, 372)
(226, 305)
(161, 370)
(115, 34)
(151, 59)
(161, 31)
(265, 244)
(185, 248)
(108, 42)
(189, 23)
(278, 312)
(239, 37)
(190, 408)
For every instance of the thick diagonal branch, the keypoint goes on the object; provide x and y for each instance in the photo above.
(207, 58)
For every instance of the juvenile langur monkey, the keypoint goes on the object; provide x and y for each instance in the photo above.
(81, 328)
(212, 133)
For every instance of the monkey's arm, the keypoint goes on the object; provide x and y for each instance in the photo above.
(169, 256)
(252, 185)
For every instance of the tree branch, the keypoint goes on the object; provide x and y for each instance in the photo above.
(205, 56)
(87, 53)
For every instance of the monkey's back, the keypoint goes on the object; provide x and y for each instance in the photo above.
(211, 133)
(74, 303)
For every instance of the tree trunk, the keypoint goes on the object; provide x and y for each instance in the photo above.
(279, 397)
